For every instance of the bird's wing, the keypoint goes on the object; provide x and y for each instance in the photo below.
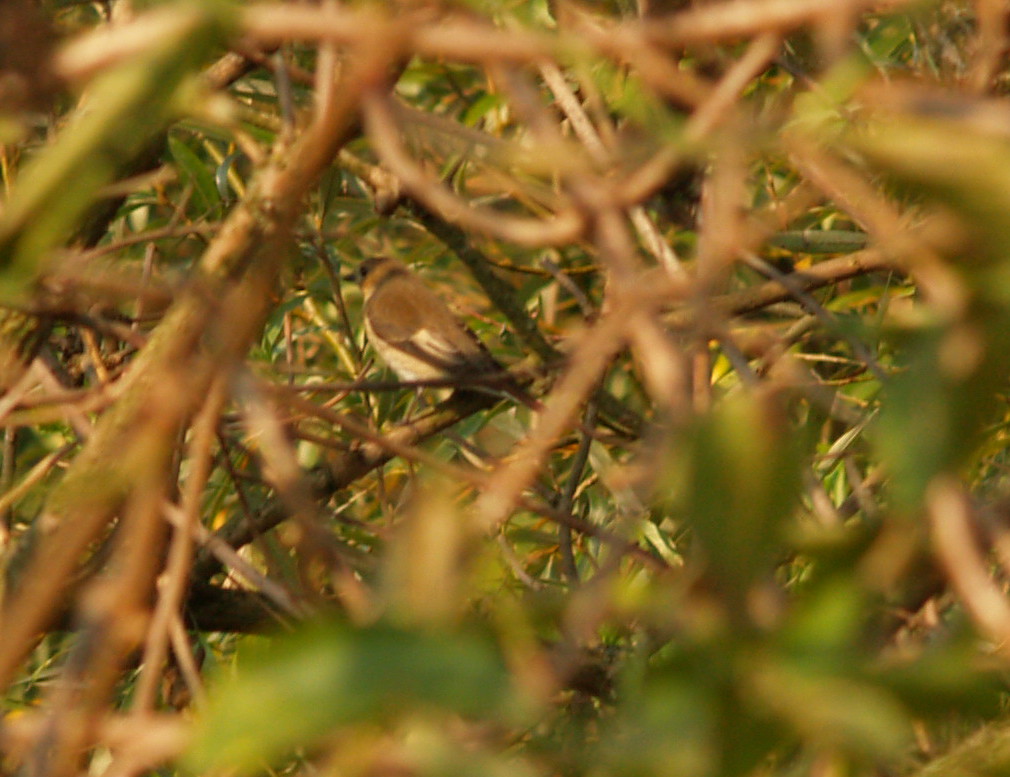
(437, 346)
(424, 329)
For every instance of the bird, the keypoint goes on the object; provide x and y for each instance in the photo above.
(420, 339)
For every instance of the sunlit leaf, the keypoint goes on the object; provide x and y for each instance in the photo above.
(195, 170)
(735, 477)
(293, 690)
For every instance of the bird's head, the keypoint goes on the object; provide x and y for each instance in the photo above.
(372, 273)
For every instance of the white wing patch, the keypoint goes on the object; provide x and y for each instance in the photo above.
(437, 347)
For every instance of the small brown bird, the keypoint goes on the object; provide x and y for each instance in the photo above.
(413, 331)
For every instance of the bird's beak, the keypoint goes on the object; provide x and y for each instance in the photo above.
(349, 277)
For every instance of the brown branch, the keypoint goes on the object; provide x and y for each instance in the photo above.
(589, 359)
(206, 331)
(380, 122)
(734, 19)
(952, 522)
(370, 450)
(816, 276)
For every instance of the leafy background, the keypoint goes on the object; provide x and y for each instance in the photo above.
(752, 255)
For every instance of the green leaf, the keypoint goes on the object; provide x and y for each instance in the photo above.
(833, 710)
(969, 171)
(483, 105)
(303, 685)
(737, 474)
(957, 361)
(947, 679)
(194, 169)
(125, 107)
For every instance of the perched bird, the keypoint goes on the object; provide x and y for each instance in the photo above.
(413, 331)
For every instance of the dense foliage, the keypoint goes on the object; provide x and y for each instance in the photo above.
(753, 256)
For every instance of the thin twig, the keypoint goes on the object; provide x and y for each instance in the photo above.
(175, 578)
(568, 495)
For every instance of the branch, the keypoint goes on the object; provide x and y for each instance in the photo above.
(208, 328)
(758, 297)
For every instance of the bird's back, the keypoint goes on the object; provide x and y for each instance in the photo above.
(419, 337)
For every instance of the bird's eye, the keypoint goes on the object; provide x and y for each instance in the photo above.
(356, 275)
(367, 267)
(363, 270)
